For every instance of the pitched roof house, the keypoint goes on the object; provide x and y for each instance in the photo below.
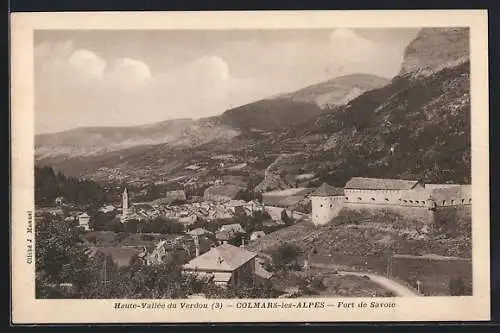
(225, 265)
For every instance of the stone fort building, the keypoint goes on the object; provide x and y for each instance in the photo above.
(409, 198)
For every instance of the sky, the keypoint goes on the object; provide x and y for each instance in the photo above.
(127, 78)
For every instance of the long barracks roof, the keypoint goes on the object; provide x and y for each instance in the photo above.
(326, 190)
(225, 257)
(361, 183)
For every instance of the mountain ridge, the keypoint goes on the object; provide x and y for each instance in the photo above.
(266, 114)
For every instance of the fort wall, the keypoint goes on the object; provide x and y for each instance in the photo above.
(418, 214)
(447, 207)
(443, 196)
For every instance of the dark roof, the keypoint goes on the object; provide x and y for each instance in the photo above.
(380, 184)
(326, 190)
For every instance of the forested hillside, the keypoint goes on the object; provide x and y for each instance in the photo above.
(50, 184)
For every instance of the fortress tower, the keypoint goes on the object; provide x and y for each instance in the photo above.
(326, 201)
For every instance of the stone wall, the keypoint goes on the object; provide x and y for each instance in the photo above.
(458, 195)
(418, 214)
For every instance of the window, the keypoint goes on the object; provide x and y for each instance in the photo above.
(346, 198)
(452, 202)
(411, 201)
(405, 201)
(359, 198)
(444, 202)
(321, 205)
(470, 200)
(463, 201)
(386, 199)
(423, 202)
(373, 199)
(331, 205)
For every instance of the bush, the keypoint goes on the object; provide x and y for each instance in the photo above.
(317, 284)
(286, 256)
(457, 286)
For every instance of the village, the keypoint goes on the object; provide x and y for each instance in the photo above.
(220, 237)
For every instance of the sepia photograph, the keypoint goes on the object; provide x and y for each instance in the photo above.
(292, 167)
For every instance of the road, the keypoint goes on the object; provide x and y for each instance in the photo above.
(386, 283)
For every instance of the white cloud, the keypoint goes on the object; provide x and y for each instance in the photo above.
(352, 53)
(127, 71)
(87, 63)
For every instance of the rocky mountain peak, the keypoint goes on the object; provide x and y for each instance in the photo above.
(434, 49)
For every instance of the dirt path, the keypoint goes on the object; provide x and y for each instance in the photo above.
(391, 285)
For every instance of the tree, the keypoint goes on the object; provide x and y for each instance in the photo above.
(131, 226)
(50, 184)
(163, 226)
(60, 258)
(285, 218)
(286, 256)
(100, 221)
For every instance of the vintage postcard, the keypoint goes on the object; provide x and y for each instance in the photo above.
(293, 166)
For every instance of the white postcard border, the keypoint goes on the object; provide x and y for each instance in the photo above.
(26, 309)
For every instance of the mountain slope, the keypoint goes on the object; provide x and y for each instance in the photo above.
(425, 121)
(91, 140)
(417, 126)
(337, 91)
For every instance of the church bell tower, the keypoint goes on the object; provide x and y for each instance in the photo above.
(125, 208)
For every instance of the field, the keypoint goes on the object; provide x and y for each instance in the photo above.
(433, 274)
(121, 255)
